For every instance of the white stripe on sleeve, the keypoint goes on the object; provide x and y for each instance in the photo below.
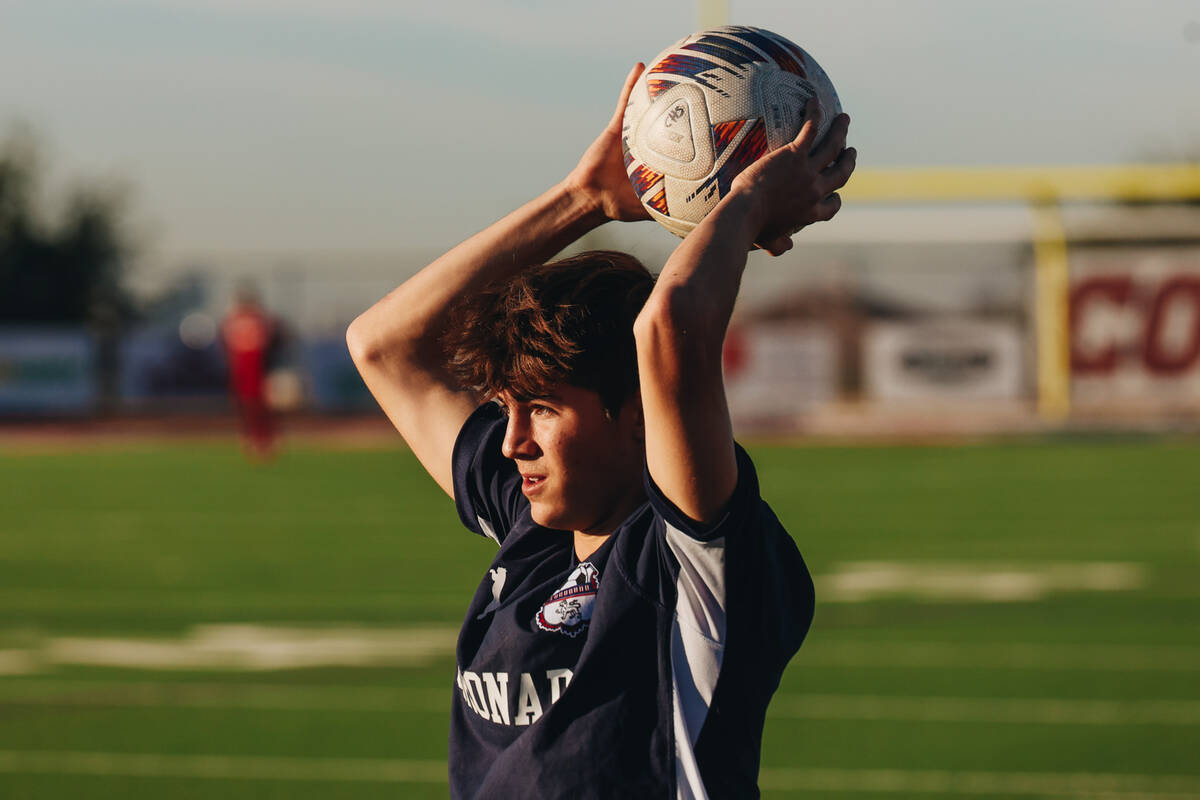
(697, 648)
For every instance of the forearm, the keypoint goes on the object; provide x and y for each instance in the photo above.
(689, 438)
(793, 186)
(698, 286)
(408, 321)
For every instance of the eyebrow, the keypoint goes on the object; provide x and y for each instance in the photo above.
(550, 398)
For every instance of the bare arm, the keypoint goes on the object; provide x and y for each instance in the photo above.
(680, 332)
(396, 343)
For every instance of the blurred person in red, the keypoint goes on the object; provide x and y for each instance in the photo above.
(249, 334)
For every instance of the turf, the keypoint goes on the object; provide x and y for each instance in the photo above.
(1021, 698)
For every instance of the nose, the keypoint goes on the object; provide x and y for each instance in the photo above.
(518, 437)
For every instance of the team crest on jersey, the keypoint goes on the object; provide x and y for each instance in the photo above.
(569, 610)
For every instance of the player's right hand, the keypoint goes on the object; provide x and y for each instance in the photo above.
(600, 174)
(796, 185)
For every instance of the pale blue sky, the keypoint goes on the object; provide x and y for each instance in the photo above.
(325, 124)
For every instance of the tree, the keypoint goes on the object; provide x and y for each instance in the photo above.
(64, 271)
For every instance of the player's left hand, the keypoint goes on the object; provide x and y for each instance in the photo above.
(796, 185)
(600, 174)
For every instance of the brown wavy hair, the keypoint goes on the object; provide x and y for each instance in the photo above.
(568, 321)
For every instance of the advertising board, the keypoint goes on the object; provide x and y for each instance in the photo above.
(945, 359)
(775, 371)
(47, 371)
(1135, 327)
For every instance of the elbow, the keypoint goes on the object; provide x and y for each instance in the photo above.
(364, 347)
(679, 319)
(383, 349)
(356, 341)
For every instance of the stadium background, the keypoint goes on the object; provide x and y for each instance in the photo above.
(973, 400)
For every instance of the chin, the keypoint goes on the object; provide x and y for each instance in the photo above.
(548, 517)
(541, 515)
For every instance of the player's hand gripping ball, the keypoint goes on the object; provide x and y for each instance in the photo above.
(709, 106)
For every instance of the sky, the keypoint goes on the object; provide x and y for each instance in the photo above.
(380, 125)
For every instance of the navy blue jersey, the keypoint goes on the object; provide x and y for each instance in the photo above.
(644, 671)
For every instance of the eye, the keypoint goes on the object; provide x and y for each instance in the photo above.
(539, 410)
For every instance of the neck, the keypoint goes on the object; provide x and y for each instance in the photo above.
(588, 543)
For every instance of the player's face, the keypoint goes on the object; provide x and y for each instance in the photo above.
(582, 471)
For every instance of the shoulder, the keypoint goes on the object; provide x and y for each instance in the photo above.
(487, 486)
(740, 509)
(658, 541)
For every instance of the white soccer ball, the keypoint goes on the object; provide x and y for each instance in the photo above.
(709, 106)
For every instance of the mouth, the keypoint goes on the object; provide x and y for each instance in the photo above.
(532, 483)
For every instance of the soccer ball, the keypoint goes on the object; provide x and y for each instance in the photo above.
(709, 106)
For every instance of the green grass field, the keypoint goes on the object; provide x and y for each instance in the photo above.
(994, 621)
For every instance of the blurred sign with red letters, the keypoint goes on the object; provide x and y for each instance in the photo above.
(1135, 327)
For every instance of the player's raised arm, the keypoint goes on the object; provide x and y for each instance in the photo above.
(681, 329)
(396, 344)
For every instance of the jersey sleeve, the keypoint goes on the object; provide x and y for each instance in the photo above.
(742, 571)
(742, 601)
(741, 505)
(487, 486)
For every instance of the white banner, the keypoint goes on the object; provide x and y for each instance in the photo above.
(954, 359)
(775, 371)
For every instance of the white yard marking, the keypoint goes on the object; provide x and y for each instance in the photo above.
(264, 697)
(155, 765)
(253, 648)
(954, 655)
(1032, 711)
(987, 582)
(350, 770)
(912, 783)
(17, 662)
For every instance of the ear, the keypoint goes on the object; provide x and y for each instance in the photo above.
(633, 407)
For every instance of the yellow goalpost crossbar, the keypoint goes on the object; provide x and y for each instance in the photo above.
(1131, 182)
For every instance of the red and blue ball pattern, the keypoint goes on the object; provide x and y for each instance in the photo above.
(745, 76)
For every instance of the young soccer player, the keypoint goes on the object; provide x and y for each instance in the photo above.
(644, 600)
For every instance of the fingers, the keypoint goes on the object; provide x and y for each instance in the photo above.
(776, 245)
(808, 131)
(834, 141)
(626, 90)
(836, 175)
(827, 208)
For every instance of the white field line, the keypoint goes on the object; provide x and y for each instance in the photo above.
(17, 662)
(956, 655)
(1039, 784)
(846, 582)
(252, 648)
(1029, 711)
(225, 696)
(149, 765)
(982, 582)
(194, 602)
(243, 648)
(348, 770)
(400, 647)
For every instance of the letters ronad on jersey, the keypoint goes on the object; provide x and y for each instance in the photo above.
(493, 696)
